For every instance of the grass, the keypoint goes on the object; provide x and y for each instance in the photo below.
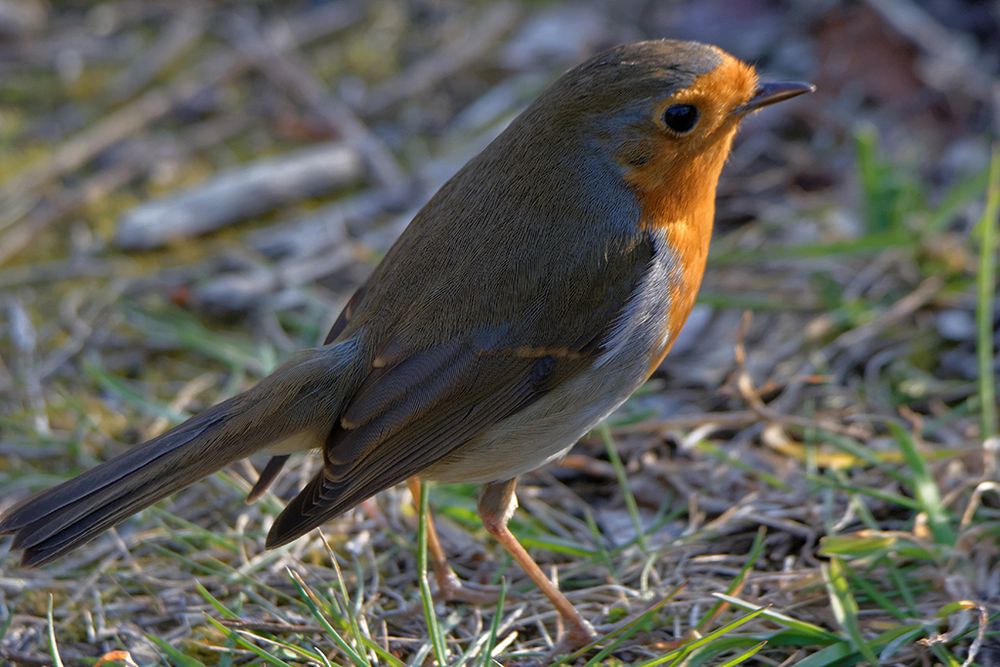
(879, 594)
(426, 598)
(850, 519)
(986, 296)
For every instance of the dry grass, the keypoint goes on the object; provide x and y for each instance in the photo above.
(809, 479)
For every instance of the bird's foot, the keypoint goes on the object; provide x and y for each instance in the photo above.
(578, 633)
(453, 589)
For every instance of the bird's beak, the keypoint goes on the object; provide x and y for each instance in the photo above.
(770, 93)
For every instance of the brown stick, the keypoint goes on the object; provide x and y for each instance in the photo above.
(18, 194)
(285, 68)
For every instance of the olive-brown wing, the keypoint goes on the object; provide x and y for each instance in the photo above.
(413, 413)
(419, 404)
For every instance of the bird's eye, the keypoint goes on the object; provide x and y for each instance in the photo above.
(681, 118)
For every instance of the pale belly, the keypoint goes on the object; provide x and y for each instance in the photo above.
(543, 431)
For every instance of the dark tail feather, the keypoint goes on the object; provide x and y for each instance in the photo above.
(303, 397)
(267, 475)
(54, 521)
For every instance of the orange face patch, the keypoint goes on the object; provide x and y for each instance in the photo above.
(676, 187)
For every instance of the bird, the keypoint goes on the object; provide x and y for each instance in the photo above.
(534, 292)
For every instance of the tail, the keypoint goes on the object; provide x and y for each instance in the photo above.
(302, 399)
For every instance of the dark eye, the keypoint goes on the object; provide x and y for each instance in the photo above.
(681, 118)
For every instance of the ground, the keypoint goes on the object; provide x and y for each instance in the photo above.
(811, 477)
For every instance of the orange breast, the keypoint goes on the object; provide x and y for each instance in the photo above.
(683, 214)
(690, 243)
(676, 187)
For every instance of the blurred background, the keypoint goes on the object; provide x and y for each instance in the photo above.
(189, 191)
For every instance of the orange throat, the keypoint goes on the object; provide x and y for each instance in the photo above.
(675, 185)
(682, 210)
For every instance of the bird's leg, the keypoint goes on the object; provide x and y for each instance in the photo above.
(497, 503)
(451, 587)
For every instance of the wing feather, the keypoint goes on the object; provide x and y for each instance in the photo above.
(360, 464)
(418, 405)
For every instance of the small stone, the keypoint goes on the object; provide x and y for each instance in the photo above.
(955, 325)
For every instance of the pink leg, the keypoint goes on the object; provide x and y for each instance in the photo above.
(451, 587)
(496, 505)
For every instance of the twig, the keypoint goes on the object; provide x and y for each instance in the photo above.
(319, 244)
(239, 194)
(25, 340)
(240, 292)
(286, 69)
(455, 57)
(179, 35)
(48, 211)
(952, 60)
(128, 120)
(681, 422)
(322, 229)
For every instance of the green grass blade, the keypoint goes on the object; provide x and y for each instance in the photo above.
(805, 628)
(742, 657)
(845, 607)
(177, 326)
(924, 487)
(555, 544)
(709, 656)
(118, 387)
(905, 637)
(311, 655)
(986, 282)
(267, 656)
(882, 602)
(603, 555)
(351, 612)
(856, 545)
(618, 640)
(628, 627)
(872, 492)
(215, 603)
(957, 197)
(494, 626)
(317, 613)
(830, 655)
(190, 528)
(626, 631)
(945, 656)
(902, 586)
(871, 178)
(53, 646)
(756, 549)
(616, 462)
(855, 448)
(426, 599)
(678, 654)
(866, 244)
(176, 657)
(734, 461)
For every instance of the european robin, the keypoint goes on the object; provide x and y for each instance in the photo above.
(535, 291)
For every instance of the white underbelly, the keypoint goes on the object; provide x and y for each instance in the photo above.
(543, 431)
